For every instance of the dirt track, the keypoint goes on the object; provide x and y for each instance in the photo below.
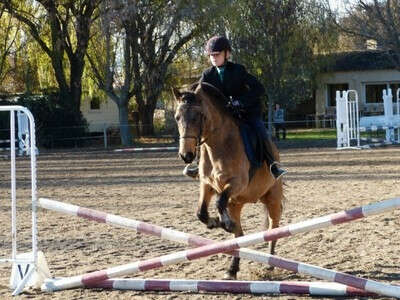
(150, 187)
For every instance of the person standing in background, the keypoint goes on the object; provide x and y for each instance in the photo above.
(279, 121)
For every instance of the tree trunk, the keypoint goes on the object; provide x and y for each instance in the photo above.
(125, 130)
(76, 83)
(146, 116)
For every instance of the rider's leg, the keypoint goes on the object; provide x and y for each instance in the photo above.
(276, 171)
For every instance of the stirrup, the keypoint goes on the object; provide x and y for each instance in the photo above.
(191, 171)
(279, 172)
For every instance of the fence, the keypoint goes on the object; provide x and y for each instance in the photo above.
(108, 135)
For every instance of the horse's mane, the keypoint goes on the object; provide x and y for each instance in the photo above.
(219, 100)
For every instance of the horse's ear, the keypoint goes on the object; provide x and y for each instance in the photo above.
(177, 94)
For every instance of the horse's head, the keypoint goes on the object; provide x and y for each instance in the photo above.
(189, 117)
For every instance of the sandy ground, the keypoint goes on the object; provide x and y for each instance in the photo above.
(150, 187)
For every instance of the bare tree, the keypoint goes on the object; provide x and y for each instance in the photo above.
(378, 21)
(68, 24)
(152, 32)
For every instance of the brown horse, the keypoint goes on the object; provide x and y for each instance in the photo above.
(204, 121)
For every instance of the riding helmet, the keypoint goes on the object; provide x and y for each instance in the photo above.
(218, 44)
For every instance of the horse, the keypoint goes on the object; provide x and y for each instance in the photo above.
(206, 124)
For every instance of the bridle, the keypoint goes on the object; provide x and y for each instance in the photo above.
(199, 140)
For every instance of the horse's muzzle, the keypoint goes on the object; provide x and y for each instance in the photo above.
(187, 157)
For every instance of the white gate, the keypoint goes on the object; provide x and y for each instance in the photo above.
(26, 262)
(347, 120)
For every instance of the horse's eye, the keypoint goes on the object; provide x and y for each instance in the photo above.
(177, 118)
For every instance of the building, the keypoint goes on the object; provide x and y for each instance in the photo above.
(100, 113)
(367, 72)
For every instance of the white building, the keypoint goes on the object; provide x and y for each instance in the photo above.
(98, 113)
(367, 72)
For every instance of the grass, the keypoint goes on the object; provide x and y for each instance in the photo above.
(311, 134)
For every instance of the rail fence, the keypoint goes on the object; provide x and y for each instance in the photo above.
(108, 135)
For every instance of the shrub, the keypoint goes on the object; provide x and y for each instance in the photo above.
(55, 125)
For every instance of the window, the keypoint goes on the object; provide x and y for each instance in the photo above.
(374, 92)
(332, 88)
(95, 103)
(394, 87)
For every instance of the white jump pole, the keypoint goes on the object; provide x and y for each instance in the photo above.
(232, 286)
(14, 259)
(92, 278)
(177, 236)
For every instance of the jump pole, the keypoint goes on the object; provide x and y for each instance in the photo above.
(326, 288)
(232, 286)
(182, 237)
(229, 245)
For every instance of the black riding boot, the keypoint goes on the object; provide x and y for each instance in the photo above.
(274, 168)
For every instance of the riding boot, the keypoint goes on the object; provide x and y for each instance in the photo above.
(276, 171)
(191, 170)
(274, 168)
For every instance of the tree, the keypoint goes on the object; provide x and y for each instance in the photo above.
(9, 36)
(149, 35)
(378, 21)
(278, 41)
(114, 80)
(68, 24)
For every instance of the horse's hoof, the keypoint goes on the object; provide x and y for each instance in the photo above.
(213, 223)
(203, 217)
(229, 276)
(228, 225)
(270, 268)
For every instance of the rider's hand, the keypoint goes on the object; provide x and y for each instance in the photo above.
(235, 103)
(235, 107)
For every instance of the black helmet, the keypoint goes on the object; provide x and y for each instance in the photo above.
(218, 44)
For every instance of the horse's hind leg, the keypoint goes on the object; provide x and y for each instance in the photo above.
(235, 210)
(273, 204)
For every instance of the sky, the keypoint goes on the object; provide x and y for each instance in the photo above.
(340, 4)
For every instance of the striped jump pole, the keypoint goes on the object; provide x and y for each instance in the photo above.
(190, 239)
(230, 286)
(230, 245)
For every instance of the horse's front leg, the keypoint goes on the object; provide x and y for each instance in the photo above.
(206, 193)
(222, 202)
(232, 189)
(235, 208)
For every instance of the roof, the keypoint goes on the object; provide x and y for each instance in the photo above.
(359, 61)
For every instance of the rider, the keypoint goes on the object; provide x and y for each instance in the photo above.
(243, 89)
